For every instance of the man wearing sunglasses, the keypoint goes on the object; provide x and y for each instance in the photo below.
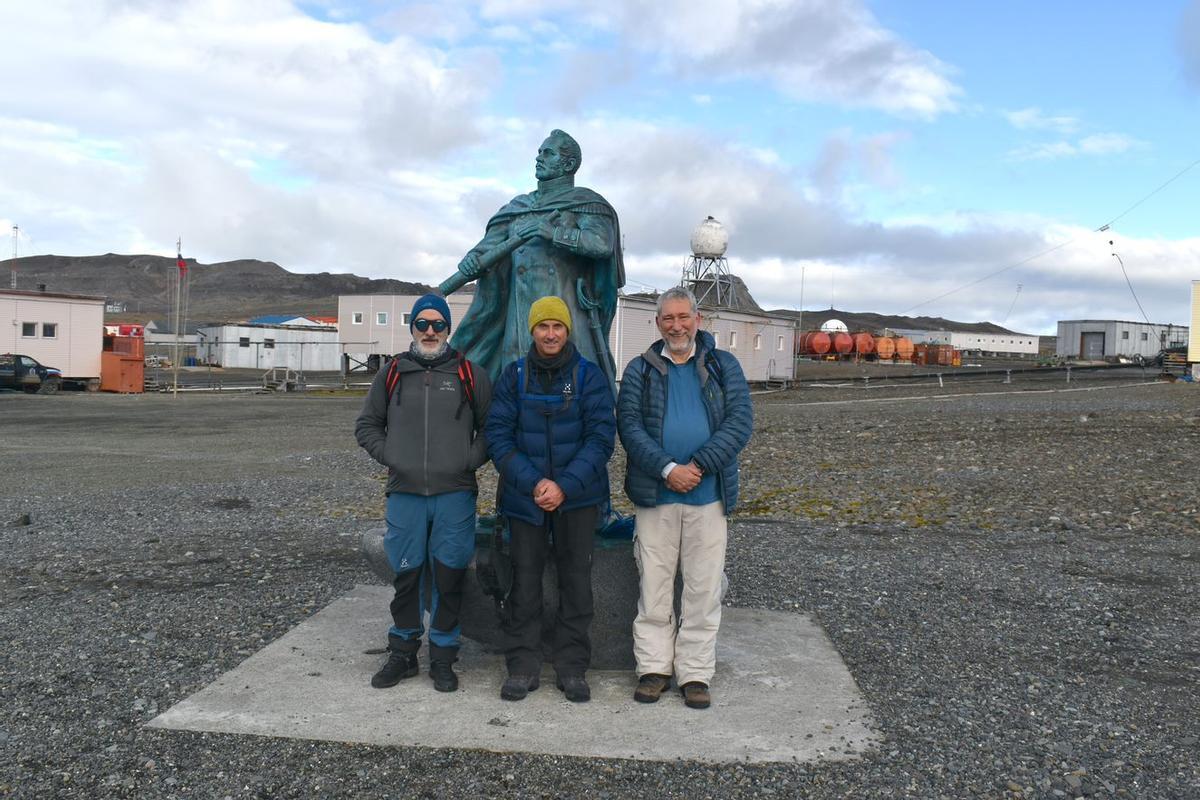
(423, 419)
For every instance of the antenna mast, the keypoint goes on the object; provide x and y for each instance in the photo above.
(16, 230)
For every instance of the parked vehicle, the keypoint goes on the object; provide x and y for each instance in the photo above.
(26, 374)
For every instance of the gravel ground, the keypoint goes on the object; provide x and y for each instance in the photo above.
(1010, 575)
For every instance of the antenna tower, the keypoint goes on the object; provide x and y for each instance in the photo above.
(13, 280)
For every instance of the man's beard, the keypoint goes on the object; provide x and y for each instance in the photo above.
(429, 352)
(677, 347)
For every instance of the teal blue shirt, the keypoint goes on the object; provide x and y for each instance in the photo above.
(686, 430)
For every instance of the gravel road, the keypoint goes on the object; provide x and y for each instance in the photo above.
(1010, 574)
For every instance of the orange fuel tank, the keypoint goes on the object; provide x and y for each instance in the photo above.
(904, 348)
(813, 343)
(864, 343)
(843, 343)
(885, 347)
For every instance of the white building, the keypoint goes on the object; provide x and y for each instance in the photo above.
(245, 346)
(1096, 339)
(998, 344)
(1193, 352)
(64, 331)
(378, 325)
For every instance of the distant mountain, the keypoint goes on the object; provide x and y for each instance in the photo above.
(867, 321)
(230, 290)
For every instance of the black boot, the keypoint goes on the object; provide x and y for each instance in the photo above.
(398, 667)
(444, 679)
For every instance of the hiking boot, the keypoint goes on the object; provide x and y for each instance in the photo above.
(444, 679)
(398, 667)
(650, 687)
(695, 695)
(517, 686)
(575, 688)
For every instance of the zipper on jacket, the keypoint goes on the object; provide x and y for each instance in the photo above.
(428, 382)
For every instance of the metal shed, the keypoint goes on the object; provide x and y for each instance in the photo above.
(1096, 339)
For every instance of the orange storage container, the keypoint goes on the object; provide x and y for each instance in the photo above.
(814, 343)
(904, 348)
(864, 343)
(123, 364)
(842, 343)
(885, 347)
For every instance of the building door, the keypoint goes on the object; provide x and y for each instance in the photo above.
(1091, 346)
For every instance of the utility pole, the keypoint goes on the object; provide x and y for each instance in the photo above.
(180, 269)
(16, 232)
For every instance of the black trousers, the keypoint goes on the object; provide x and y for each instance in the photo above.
(568, 537)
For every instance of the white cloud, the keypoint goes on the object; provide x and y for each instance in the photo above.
(1099, 144)
(1034, 119)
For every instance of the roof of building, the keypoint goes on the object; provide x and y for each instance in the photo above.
(52, 295)
(276, 319)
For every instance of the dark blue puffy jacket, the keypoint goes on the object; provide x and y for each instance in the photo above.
(566, 435)
(642, 405)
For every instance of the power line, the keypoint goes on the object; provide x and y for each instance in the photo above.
(1072, 240)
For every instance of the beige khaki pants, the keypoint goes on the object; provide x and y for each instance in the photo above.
(692, 537)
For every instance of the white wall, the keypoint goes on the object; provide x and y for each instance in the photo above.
(78, 336)
(1121, 338)
(294, 348)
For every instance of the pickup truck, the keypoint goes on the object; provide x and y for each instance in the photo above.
(26, 374)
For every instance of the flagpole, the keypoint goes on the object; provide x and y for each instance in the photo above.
(179, 269)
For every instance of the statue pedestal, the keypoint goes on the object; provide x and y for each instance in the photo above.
(614, 590)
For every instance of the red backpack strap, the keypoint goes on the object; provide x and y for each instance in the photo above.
(393, 377)
(466, 377)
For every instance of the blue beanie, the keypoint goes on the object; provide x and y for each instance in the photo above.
(438, 304)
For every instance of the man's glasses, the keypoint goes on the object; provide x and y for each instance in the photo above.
(439, 325)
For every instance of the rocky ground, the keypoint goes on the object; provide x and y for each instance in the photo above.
(1009, 572)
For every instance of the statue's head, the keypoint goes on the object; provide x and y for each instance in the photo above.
(559, 155)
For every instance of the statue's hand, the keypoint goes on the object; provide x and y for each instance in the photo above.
(534, 226)
(469, 266)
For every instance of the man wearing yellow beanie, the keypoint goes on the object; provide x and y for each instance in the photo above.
(549, 308)
(550, 430)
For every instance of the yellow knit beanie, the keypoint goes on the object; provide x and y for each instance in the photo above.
(549, 307)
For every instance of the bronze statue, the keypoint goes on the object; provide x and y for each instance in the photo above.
(560, 239)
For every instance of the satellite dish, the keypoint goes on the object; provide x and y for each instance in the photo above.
(710, 239)
(834, 326)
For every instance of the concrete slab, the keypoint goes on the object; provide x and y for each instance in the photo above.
(771, 703)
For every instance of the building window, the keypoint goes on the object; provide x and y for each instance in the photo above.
(757, 341)
(49, 330)
(356, 318)
(1145, 336)
(406, 317)
(269, 344)
(244, 341)
(28, 330)
(381, 318)
(779, 345)
(733, 340)
(1124, 334)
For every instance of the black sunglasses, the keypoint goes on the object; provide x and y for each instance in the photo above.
(439, 325)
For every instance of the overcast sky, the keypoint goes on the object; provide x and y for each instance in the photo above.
(899, 157)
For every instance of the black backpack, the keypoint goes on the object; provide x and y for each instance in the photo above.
(466, 378)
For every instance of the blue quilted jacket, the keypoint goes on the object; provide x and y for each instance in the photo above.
(566, 434)
(640, 410)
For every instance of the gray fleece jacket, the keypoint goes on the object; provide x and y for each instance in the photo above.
(427, 435)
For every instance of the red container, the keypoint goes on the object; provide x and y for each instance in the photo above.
(864, 343)
(885, 347)
(843, 343)
(813, 343)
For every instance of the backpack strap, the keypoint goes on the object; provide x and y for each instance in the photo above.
(466, 379)
(393, 378)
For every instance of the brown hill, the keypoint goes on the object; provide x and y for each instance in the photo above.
(867, 321)
(230, 290)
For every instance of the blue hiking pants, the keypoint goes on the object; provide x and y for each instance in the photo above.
(429, 536)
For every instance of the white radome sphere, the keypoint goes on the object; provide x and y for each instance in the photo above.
(710, 239)
(834, 326)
